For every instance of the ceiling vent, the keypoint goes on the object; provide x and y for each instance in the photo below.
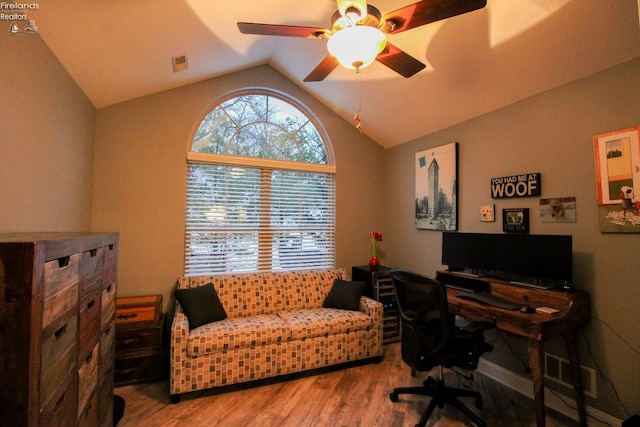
(179, 63)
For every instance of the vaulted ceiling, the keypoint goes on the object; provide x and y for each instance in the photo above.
(117, 50)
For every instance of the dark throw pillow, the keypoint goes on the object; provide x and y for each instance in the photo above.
(344, 295)
(201, 305)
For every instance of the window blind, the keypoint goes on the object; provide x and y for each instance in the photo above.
(241, 219)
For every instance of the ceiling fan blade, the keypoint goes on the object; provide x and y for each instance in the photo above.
(425, 12)
(283, 30)
(324, 68)
(399, 61)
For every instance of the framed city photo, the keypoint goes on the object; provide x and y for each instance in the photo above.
(437, 188)
(515, 220)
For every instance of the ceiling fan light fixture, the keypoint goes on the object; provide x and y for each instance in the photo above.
(354, 10)
(357, 46)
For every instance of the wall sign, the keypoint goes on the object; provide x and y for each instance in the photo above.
(524, 185)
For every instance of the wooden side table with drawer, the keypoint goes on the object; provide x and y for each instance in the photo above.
(139, 346)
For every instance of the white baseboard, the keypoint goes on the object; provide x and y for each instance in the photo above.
(524, 386)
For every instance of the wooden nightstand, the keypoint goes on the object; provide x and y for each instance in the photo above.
(139, 346)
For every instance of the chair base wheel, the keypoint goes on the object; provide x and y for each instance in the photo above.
(393, 397)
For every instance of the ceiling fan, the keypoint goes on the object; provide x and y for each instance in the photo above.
(357, 34)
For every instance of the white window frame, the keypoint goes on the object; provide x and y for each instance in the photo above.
(266, 254)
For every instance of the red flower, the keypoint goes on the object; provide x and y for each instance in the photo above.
(375, 235)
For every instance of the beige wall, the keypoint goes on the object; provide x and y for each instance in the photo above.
(46, 141)
(552, 134)
(140, 172)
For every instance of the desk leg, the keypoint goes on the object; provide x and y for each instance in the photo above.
(535, 357)
(571, 339)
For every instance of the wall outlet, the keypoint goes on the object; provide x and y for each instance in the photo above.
(558, 370)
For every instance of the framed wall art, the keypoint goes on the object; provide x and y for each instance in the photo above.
(617, 161)
(487, 213)
(560, 209)
(436, 188)
(515, 220)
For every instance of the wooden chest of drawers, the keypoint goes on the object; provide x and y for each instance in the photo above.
(139, 353)
(57, 328)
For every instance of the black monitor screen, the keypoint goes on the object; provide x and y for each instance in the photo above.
(532, 256)
(545, 257)
(472, 251)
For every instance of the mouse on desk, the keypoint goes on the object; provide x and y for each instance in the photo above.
(527, 309)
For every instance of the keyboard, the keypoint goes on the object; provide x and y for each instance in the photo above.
(489, 299)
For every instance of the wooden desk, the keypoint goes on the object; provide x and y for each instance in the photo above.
(574, 312)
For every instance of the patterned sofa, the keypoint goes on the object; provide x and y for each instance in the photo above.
(276, 324)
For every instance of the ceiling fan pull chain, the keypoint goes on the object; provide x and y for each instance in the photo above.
(356, 118)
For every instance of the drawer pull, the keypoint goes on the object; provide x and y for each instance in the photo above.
(58, 404)
(109, 289)
(61, 330)
(127, 316)
(91, 304)
(89, 357)
(64, 261)
(111, 246)
(93, 252)
(129, 341)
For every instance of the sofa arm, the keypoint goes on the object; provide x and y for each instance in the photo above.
(372, 308)
(178, 349)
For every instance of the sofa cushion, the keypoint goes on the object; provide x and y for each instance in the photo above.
(309, 323)
(308, 289)
(239, 332)
(201, 305)
(344, 295)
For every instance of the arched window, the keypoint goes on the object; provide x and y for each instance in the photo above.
(260, 188)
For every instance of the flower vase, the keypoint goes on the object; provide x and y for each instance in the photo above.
(373, 262)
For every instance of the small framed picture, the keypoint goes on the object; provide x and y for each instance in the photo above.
(515, 220)
(487, 213)
(560, 209)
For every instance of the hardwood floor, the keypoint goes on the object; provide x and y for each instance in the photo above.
(355, 396)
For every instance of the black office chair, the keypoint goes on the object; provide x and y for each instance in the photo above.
(430, 339)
